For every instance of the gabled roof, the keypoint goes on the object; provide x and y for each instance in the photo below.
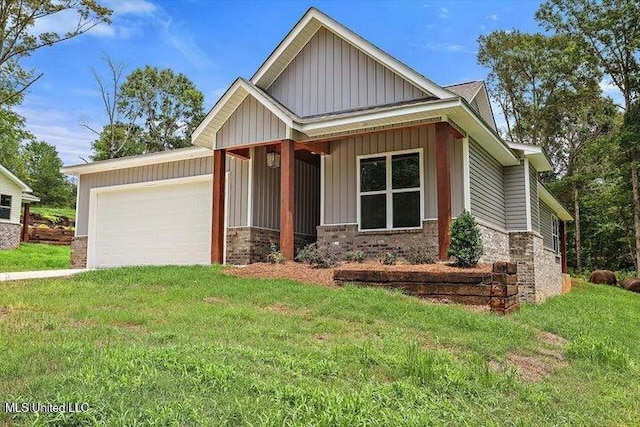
(308, 26)
(553, 203)
(204, 134)
(536, 155)
(24, 187)
(467, 90)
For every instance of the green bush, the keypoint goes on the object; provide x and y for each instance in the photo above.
(388, 258)
(466, 242)
(315, 256)
(275, 256)
(354, 256)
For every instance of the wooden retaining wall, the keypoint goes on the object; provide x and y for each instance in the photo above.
(498, 289)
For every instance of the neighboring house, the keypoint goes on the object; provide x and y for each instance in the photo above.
(331, 140)
(13, 194)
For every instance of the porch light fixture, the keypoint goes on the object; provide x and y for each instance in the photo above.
(273, 160)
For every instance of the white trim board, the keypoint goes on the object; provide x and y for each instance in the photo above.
(527, 193)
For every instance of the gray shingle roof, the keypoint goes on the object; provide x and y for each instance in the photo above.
(466, 90)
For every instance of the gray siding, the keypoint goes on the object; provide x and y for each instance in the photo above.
(180, 169)
(486, 185)
(535, 208)
(331, 75)
(251, 122)
(546, 225)
(341, 193)
(266, 195)
(515, 199)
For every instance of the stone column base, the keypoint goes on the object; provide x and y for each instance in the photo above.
(9, 235)
(79, 252)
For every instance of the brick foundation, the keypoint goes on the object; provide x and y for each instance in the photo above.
(246, 245)
(548, 272)
(496, 245)
(79, 252)
(9, 235)
(340, 239)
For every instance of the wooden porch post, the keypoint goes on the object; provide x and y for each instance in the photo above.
(25, 223)
(217, 211)
(287, 171)
(563, 246)
(443, 178)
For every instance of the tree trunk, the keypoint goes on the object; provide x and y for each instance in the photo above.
(636, 207)
(576, 216)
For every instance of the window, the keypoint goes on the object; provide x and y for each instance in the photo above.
(5, 206)
(555, 235)
(390, 190)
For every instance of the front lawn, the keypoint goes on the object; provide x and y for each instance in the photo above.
(34, 256)
(192, 346)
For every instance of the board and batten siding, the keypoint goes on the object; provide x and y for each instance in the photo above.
(162, 171)
(330, 75)
(533, 194)
(486, 186)
(251, 122)
(340, 183)
(10, 188)
(266, 195)
(515, 198)
(546, 225)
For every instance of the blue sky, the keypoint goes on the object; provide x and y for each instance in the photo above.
(213, 42)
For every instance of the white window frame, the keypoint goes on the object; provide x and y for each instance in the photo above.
(555, 234)
(7, 208)
(389, 191)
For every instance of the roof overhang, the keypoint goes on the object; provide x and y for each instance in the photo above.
(454, 109)
(204, 134)
(553, 203)
(24, 187)
(135, 161)
(307, 27)
(28, 198)
(536, 155)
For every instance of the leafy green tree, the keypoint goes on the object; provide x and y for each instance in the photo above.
(19, 37)
(43, 165)
(117, 140)
(12, 136)
(466, 242)
(609, 32)
(166, 106)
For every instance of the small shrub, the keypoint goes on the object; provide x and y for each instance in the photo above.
(466, 242)
(354, 256)
(419, 253)
(315, 256)
(275, 256)
(388, 258)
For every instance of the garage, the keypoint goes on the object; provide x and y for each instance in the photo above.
(164, 222)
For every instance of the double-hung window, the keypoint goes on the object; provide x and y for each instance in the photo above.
(555, 235)
(390, 189)
(5, 206)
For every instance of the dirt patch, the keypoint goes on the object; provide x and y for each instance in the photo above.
(536, 367)
(324, 276)
(132, 327)
(279, 308)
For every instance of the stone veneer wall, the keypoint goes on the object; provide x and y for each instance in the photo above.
(521, 247)
(9, 235)
(246, 245)
(496, 245)
(340, 239)
(79, 252)
(548, 272)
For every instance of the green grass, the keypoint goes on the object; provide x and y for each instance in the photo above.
(191, 346)
(52, 213)
(34, 256)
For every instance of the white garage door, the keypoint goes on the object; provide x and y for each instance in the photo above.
(155, 223)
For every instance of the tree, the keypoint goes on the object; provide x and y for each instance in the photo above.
(609, 30)
(117, 138)
(165, 106)
(12, 136)
(19, 36)
(43, 164)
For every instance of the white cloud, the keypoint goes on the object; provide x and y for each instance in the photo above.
(444, 13)
(174, 36)
(443, 47)
(493, 17)
(131, 7)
